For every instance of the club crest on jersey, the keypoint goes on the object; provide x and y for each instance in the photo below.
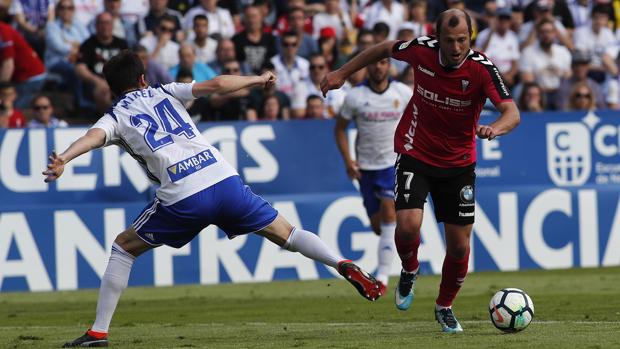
(190, 165)
(396, 104)
(464, 85)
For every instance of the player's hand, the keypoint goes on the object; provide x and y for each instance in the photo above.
(486, 132)
(55, 168)
(331, 81)
(353, 170)
(269, 79)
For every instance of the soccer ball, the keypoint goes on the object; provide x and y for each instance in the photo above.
(511, 310)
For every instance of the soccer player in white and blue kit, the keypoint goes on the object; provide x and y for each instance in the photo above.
(197, 187)
(375, 107)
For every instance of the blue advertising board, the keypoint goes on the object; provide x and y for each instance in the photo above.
(547, 197)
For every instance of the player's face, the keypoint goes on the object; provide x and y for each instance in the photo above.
(378, 71)
(454, 42)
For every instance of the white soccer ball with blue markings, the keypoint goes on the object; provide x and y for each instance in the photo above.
(511, 310)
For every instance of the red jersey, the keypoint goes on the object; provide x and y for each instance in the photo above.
(438, 126)
(13, 45)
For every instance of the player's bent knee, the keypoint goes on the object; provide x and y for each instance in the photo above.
(129, 241)
(459, 251)
(278, 231)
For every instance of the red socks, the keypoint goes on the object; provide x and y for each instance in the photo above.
(408, 252)
(452, 277)
(98, 335)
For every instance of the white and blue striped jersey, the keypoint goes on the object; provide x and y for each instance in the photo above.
(376, 116)
(153, 126)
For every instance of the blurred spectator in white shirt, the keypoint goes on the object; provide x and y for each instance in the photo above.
(501, 45)
(545, 62)
(220, 20)
(204, 46)
(86, 10)
(160, 46)
(418, 20)
(388, 11)
(333, 17)
(543, 9)
(596, 39)
(291, 71)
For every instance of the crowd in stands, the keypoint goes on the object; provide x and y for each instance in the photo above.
(553, 54)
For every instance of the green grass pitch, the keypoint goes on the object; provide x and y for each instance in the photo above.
(577, 308)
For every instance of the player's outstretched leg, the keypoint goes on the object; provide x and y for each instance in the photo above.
(113, 282)
(310, 245)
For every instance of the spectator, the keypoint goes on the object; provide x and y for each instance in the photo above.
(155, 73)
(231, 106)
(334, 18)
(63, 38)
(220, 20)
(580, 12)
(122, 28)
(20, 65)
(580, 66)
(328, 47)
(43, 113)
(501, 45)
(418, 19)
(543, 11)
(94, 53)
(203, 45)
(258, 96)
(406, 77)
(315, 108)
(532, 98)
(311, 87)
(87, 10)
(296, 23)
(387, 11)
(14, 116)
(160, 46)
(546, 62)
(187, 60)
(582, 97)
(30, 18)
(405, 33)
(158, 8)
(364, 40)
(596, 39)
(252, 45)
(380, 32)
(271, 109)
(291, 71)
(226, 52)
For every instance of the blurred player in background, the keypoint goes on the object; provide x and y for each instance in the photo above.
(197, 186)
(375, 107)
(436, 145)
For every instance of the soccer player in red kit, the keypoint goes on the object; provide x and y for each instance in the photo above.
(436, 145)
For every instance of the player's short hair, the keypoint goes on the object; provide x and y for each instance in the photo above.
(453, 21)
(123, 72)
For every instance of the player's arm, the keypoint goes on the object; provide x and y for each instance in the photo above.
(94, 138)
(508, 120)
(334, 80)
(340, 131)
(229, 83)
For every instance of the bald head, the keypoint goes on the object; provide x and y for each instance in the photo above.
(451, 19)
